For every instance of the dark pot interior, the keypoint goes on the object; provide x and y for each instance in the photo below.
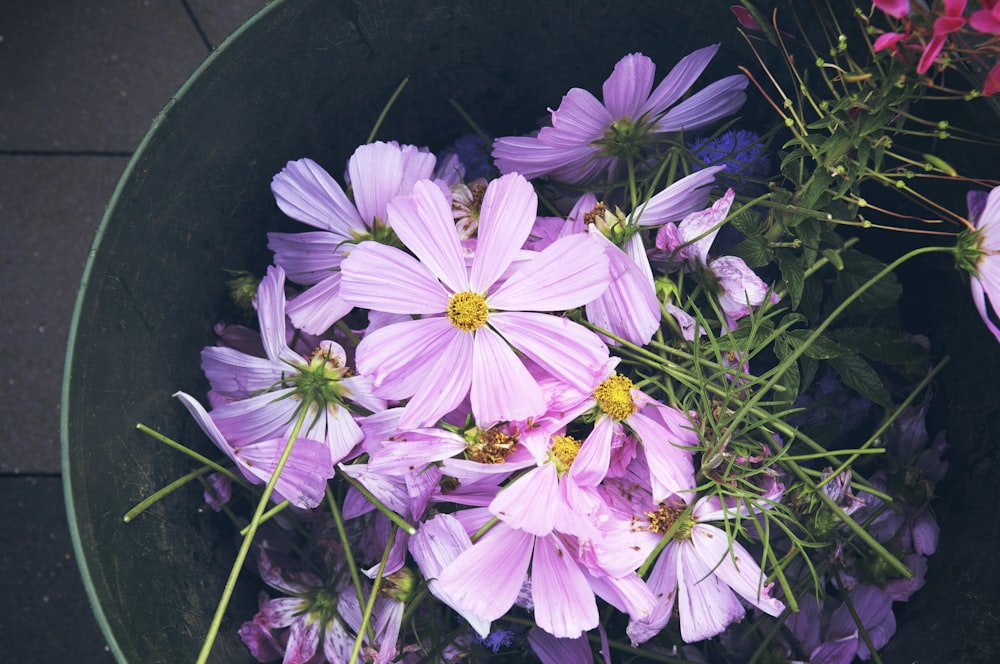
(308, 78)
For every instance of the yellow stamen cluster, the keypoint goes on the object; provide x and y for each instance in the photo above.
(614, 396)
(467, 310)
(663, 519)
(564, 451)
(596, 215)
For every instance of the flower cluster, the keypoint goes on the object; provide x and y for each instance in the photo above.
(522, 392)
(944, 32)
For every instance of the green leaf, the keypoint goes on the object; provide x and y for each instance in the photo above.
(755, 251)
(861, 377)
(792, 274)
(880, 344)
(748, 222)
(858, 269)
(821, 348)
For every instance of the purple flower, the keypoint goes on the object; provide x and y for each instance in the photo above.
(304, 191)
(266, 393)
(303, 478)
(588, 138)
(701, 568)
(474, 317)
(981, 255)
(737, 286)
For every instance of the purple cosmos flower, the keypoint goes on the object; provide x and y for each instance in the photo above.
(983, 253)
(474, 317)
(304, 191)
(564, 603)
(322, 619)
(588, 138)
(303, 478)
(738, 287)
(266, 393)
(700, 568)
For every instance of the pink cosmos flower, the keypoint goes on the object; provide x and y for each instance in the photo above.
(265, 393)
(700, 568)
(985, 282)
(303, 478)
(587, 137)
(738, 287)
(564, 603)
(304, 191)
(474, 317)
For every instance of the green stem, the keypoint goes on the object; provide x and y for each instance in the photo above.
(352, 567)
(382, 507)
(385, 109)
(376, 582)
(241, 556)
(148, 502)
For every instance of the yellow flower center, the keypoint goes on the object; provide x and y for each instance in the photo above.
(564, 451)
(614, 396)
(467, 310)
(663, 519)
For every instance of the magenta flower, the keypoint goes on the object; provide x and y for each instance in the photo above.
(896, 8)
(474, 317)
(588, 138)
(950, 22)
(985, 264)
(266, 393)
(986, 19)
(304, 191)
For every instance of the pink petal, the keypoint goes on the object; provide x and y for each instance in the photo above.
(528, 502)
(308, 257)
(671, 468)
(425, 224)
(505, 220)
(380, 277)
(662, 582)
(501, 386)
(569, 273)
(411, 450)
(714, 101)
(565, 606)
(680, 199)
(319, 307)
(591, 463)
(700, 228)
(263, 416)
(629, 86)
(305, 192)
(734, 565)
(236, 375)
(303, 478)
(271, 315)
(498, 561)
(561, 347)
(375, 172)
(706, 605)
(551, 650)
(678, 80)
(446, 381)
(742, 288)
(629, 307)
(398, 356)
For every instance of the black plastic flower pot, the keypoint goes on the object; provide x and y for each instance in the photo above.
(307, 78)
